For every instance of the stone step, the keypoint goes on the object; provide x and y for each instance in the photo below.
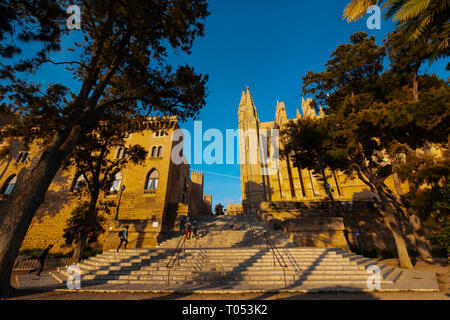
(336, 268)
(232, 272)
(238, 277)
(351, 284)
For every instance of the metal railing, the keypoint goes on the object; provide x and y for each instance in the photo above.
(50, 262)
(181, 247)
(277, 256)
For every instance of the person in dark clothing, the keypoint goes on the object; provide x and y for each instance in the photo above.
(232, 224)
(188, 229)
(123, 235)
(195, 228)
(41, 259)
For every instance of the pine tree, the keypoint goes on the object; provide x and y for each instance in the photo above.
(94, 161)
(121, 61)
(348, 88)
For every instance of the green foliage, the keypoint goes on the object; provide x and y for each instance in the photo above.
(89, 251)
(420, 20)
(380, 121)
(120, 61)
(218, 209)
(432, 205)
(82, 223)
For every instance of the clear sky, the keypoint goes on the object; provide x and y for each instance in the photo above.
(266, 45)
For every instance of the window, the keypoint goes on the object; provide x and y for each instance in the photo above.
(9, 185)
(116, 183)
(79, 183)
(160, 152)
(152, 180)
(161, 133)
(22, 157)
(153, 152)
(122, 153)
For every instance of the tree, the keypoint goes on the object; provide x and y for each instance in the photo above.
(407, 57)
(308, 145)
(120, 61)
(421, 20)
(218, 209)
(93, 160)
(348, 88)
(80, 225)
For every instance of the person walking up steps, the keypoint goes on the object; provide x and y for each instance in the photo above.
(195, 229)
(188, 229)
(123, 235)
(41, 259)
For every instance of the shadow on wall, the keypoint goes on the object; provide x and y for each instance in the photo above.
(57, 200)
(365, 227)
(254, 195)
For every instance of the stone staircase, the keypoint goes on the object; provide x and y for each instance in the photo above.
(224, 259)
(215, 232)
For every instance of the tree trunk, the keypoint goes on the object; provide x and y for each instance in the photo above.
(18, 211)
(327, 188)
(392, 224)
(91, 218)
(79, 247)
(397, 183)
(415, 87)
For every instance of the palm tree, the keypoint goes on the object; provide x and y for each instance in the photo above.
(422, 19)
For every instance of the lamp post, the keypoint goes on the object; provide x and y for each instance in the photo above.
(118, 203)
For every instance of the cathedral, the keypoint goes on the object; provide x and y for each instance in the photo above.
(286, 183)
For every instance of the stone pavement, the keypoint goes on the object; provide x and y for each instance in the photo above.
(233, 262)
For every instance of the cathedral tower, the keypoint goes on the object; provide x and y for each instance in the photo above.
(252, 182)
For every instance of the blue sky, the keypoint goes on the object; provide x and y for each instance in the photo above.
(266, 45)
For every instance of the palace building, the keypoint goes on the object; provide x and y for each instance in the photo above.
(149, 197)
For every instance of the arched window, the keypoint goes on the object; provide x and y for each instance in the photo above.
(152, 180)
(153, 152)
(122, 153)
(159, 151)
(79, 183)
(116, 183)
(9, 185)
(22, 157)
(119, 153)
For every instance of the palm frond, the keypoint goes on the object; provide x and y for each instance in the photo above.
(356, 9)
(411, 9)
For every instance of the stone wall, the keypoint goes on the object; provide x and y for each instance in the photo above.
(149, 213)
(360, 225)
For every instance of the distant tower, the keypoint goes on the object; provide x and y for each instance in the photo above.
(252, 183)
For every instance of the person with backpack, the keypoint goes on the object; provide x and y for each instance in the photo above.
(195, 228)
(123, 235)
(41, 259)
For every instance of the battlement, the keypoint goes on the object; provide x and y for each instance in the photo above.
(197, 177)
